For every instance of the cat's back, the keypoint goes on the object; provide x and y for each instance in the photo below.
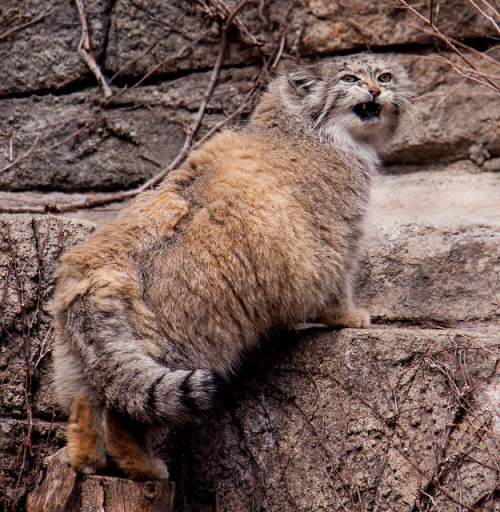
(236, 186)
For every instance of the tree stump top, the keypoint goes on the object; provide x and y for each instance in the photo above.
(64, 490)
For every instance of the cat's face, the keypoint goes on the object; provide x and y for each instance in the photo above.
(362, 95)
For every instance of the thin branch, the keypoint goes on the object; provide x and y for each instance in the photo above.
(497, 14)
(201, 111)
(105, 199)
(468, 338)
(487, 16)
(127, 64)
(280, 52)
(179, 55)
(447, 40)
(451, 41)
(387, 421)
(85, 51)
(21, 157)
(470, 457)
(465, 73)
(246, 100)
(226, 14)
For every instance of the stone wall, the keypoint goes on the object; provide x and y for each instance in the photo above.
(403, 416)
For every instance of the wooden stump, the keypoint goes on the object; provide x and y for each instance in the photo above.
(64, 490)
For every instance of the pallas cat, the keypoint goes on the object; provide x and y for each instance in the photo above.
(256, 230)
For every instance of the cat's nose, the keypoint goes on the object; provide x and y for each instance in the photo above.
(374, 91)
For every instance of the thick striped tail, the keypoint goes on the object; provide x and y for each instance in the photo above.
(129, 380)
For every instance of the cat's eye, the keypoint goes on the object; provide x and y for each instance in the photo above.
(350, 79)
(385, 77)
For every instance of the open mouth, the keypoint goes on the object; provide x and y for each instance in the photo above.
(366, 111)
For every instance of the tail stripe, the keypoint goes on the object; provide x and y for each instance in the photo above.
(151, 395)
(186, 395)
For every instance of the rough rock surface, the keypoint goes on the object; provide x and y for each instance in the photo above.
(353, 420)
(453, 120)
(428, 273)
(164, 35)
(29, 248)
(73, 142)
(403, 416)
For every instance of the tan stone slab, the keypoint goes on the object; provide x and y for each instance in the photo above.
(428, 273)
(459, 192)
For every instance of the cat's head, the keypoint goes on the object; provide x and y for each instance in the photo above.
(362, 95)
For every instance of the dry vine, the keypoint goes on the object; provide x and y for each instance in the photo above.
(339, 479)
(34, 21)
(32, 354)
(218, 9)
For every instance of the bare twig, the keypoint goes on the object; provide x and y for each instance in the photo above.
(394, 421)
(246, 100)
(494, 293)
(201, 110)
(475, 427)
(21, 157)
(451, 43)
(466, 72)
(486, 15)
(179, 55)
(346, 461)
(471, 458)
(46, 134)
(127, 64)
(225, 13)
(85, 51)
(29, 303)
(321, 440)
(468, 338)
(280, 51)
(460, 44)
(495, 12)
(26, 447)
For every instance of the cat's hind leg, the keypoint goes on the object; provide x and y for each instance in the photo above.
(86, 444)
(101, 441)
(129, 444)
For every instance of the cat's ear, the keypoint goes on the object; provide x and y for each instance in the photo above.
(303, 78)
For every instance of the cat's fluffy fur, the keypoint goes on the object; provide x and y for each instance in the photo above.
(256, 230)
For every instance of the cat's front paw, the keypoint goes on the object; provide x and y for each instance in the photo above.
(354, 318)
